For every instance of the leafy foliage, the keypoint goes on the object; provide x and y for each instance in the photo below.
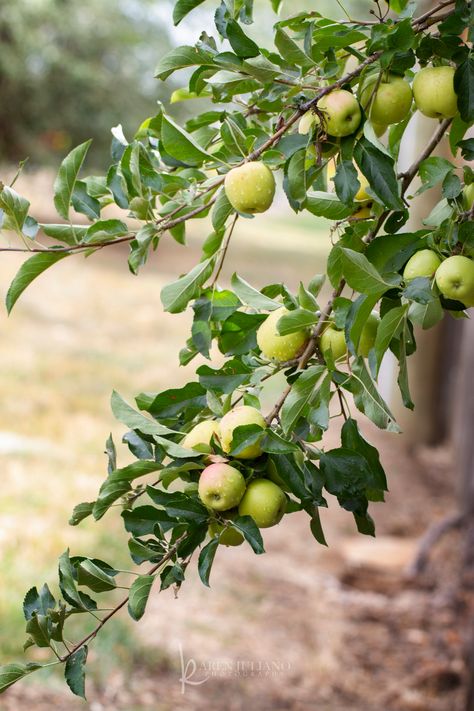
(170, 173)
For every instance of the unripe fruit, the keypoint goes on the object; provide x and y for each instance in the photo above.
(390, 101)
(250, 188)
(221, 487)
(307, 122)
(276, 347)
(363, 213)
(264, 501)
(238, 417)
(433, 89)
(227, 536)
(333, 340)
(368, 335)
(455, 279)
(201, 434)
(423, 263)
(341, 111)
(379, 129)
(468, 196)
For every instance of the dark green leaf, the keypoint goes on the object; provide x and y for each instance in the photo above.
(75, 673)
(206, 559)
(138, 595)
(29, 270)
(67, 177)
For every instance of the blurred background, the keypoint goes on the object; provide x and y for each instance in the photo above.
(303, 627)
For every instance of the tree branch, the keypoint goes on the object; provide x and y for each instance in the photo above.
(121, 604)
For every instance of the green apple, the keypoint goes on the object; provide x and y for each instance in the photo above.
(333, 340)
(341, 112)
(306, 123)
(264, 501)
(201, 434)
(468, 196)
(227, 536)
(423, 263)
(238, 417)
(221, 486)
(250, 188)
(276, 347)
(368, 334)
(389, 102)
(379, 129)
(433, 89)
(274, 475)
(455, 279)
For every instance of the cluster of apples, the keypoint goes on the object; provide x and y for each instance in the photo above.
(222, 487)
(454, 276)
(250, 188)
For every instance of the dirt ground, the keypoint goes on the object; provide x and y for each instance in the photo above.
(303, 627)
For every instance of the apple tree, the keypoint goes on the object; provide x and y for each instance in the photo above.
(322, 112)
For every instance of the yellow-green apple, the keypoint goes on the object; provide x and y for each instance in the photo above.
(264, 501)
(468, 196)
(276, 347)
(333, 340)
(389, 101)
(306, 123)
(238, 417)
(368, 334)
(341, 111)
(201, 434)
(250, 188)
(379, 129)
(221, 486)
(455, 279)
(227, 536)
(423, 263)
(433, 89)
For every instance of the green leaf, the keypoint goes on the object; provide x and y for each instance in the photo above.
(366, 396)
(361, 275)
(426, 315)
(245, 436)
(346, 181)
(389, 328)
(299, 396)
(274, 444)
(317, 529)
(93, 577)
(105, 230)
(68, 588)
(352, 439)
(41, 603)
(290, 51)
(296, 320)
(29, 270)
(69, 234)
(433, 170)
(172, 403)
(39, 628)
(464, 88)
(138, 595)
(135, 420)
(242, 45)
(221, 210)
(327, 205)
(181, 145)
(206, 559)
(118, 483)
(419, 290)
(11, 673)
(176, 296)
(251, 296)
(15, 206)
(224, 380)
(183, 7)
(181, 58)
(75, 672)
(379, 171)
(80, 512)
(66, 178)
(249, 529)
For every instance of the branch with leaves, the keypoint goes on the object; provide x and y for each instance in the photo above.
(204, 454)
